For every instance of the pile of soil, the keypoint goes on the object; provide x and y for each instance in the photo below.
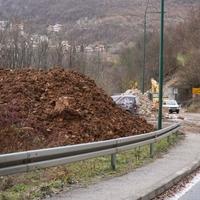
(143, 102)
(40, 109)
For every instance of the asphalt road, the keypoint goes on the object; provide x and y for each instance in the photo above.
(193, 118)
(190, 124)
(193, 193)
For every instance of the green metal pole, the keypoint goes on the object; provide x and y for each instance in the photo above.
(144, 53)
(144, 59)
(161, 71)
(113, 161)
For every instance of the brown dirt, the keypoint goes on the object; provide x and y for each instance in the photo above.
(57, 107)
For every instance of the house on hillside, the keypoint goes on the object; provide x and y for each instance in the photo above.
(3, 25)
(66, 45)
(37, 39)
(55, 28)
(100, 48)
(89, 49)
(17, 27)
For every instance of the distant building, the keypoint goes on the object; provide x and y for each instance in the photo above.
(66, 45)
(55, 28)
(78, 48)
(89, 49)
(37, 39)
(17, 27)
(50, 28)
(100, 48)
(20, 27)
(3, 25)
(43, 38)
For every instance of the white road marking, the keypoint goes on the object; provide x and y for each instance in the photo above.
(187, 188)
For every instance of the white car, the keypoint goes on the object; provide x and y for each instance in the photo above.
(172, 106)
(127, 102)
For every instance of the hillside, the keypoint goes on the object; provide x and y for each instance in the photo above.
(110, 21)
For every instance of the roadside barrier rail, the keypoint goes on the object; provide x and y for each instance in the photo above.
(38, 159)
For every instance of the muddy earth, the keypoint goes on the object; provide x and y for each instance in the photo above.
(40, 109)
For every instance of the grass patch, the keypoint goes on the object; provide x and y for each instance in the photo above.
(42, 183)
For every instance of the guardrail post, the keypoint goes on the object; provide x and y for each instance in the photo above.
(113, 161)
(168, 140)
(152, 150)
(175, 136)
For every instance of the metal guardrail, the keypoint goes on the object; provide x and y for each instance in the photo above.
(37, 159)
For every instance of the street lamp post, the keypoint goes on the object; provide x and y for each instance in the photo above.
(144, 59)
(161, 60)
(144, 53)
(161, 71)
(144, 48)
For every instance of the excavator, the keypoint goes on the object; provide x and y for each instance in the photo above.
(155, 93)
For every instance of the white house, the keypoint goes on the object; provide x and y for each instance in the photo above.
(55, 28)
(89, 49)
(3, 25)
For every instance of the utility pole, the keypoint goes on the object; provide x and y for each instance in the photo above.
(161, 71)
(144, 53)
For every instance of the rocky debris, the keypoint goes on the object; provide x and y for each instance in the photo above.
(144, 104)
(57, 107)
(62, 104)
(176, 116)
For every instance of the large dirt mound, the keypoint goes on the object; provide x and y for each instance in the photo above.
(57, 107)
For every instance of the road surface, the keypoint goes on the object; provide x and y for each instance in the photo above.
(193, 193)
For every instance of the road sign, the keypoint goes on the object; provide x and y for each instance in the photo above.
(196, 91)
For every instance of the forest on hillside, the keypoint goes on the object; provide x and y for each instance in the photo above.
(182, 54)
(108, 21)
(115, 75)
